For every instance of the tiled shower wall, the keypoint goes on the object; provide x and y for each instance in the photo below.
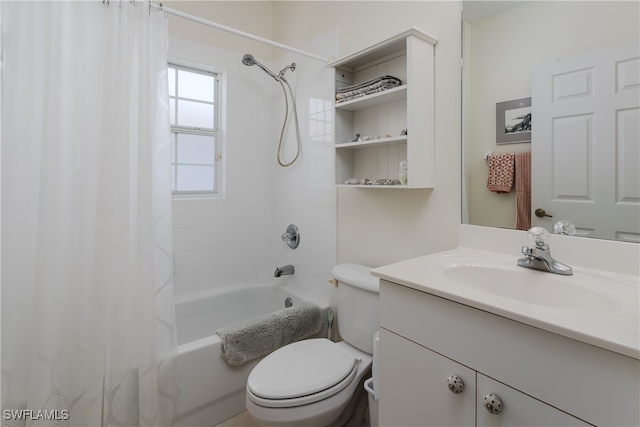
(236, 239)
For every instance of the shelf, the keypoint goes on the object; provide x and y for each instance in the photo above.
(377, 142)
(373, 186)
(410, 57)
(390, 95)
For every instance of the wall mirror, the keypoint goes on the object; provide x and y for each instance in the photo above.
(509, 48)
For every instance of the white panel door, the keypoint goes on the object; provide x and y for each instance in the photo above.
(585, 142)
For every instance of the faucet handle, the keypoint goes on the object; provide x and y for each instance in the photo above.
(564, 227)
(539, 238)
(292, 236)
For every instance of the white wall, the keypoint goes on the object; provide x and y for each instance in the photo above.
(216, 241)
(255, 17)
(304, 194)
(499, 53)
(236, 239)
(380, 226)
(375, 227)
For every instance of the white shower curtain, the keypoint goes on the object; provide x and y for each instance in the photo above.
(88, 324)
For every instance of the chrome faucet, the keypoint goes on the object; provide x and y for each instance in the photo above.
(538, 255)
(287, 269)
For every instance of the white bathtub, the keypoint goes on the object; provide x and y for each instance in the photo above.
(212, 390)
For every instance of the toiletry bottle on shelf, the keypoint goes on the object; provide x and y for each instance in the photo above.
(402, 175)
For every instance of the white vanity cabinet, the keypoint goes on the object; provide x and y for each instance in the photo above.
(416, 379)
(408, 56)
(541, 378)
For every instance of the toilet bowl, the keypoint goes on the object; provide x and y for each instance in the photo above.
(318, 382)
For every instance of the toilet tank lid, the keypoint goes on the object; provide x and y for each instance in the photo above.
(356, 275)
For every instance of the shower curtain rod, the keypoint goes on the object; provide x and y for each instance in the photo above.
(236, 32)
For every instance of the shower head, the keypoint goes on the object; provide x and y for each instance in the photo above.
(249, 60)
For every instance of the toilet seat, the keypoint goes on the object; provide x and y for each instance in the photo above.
(301, 373)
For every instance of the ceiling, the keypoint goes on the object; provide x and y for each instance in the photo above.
(477, 10)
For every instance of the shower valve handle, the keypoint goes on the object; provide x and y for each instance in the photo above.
(292, 236)
(286, 237)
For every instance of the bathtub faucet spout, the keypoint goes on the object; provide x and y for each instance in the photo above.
(287, 269)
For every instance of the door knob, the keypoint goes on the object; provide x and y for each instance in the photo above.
(541, 213)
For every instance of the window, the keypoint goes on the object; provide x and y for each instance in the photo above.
(193, 99)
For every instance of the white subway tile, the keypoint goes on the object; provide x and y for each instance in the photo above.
(183, 263)
(183, 213)
(206, 280)
(205, 259)
(226, 277)
(222, 242)
(205, 237)
(184, 239)
(247, 272)
(326, 244)
(183, 284)
(226, 235)
(227, 213)
(228, 256)
(206, 211)
(326, 219)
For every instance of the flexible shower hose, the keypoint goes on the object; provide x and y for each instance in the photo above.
(284, 124)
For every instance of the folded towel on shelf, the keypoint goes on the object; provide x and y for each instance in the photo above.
(258, 337)
(361, 94)
(369, 83)
(523, 191)
(501, 172)
(370, 87)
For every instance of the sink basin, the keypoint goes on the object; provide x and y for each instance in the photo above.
(577, 292)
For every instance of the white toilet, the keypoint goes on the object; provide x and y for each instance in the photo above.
(317, 382)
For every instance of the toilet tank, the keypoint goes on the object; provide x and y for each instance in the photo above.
(357, 305)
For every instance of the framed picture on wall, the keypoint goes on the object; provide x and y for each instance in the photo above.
(513, 121)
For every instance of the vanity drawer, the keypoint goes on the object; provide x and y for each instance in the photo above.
(568, 374)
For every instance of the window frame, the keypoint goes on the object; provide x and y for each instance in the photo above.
(215, 132)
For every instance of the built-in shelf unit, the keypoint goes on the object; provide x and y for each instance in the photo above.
(408, 56)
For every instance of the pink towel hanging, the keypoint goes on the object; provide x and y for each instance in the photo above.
(501, 172)
(523, 191)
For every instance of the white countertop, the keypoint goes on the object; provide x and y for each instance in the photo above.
(597, 307)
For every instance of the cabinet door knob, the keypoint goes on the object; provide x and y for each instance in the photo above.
(492, 403)
(455, 384)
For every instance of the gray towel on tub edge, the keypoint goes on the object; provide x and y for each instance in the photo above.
(260, 336)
